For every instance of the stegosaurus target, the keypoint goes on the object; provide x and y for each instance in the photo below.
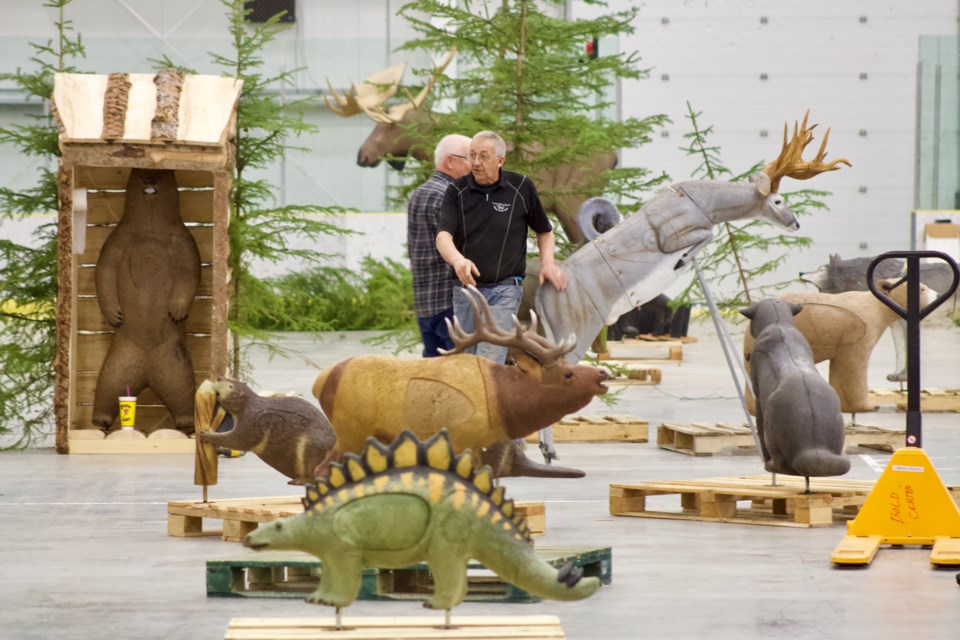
(412, 501)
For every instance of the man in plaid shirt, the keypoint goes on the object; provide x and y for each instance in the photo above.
(432, 277)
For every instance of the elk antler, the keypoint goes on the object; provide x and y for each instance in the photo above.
(369, 99)
(543, 350)
(790, 162)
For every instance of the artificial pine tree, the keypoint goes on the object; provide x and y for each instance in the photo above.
(260, 230)
(527, 76)
(28, 285)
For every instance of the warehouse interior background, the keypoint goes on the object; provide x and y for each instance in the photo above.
(881, 75)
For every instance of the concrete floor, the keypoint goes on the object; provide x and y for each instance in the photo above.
(84, 551)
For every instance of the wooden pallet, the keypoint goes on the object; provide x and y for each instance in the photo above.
(703, 439)
(716, 500)
(932, 400)
(242, 515)
(290, 574)
(92, 441)
(532, 627)
(628, 349)
(613, 427)
(623, 373)
(649, 337)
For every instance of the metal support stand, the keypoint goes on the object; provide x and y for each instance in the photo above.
(726, 342)
(546, 445)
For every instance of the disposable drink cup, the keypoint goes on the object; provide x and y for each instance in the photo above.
(128, 411)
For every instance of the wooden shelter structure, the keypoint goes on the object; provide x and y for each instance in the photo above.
(110, 124)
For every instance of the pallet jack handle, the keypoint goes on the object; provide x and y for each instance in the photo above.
(913, 314)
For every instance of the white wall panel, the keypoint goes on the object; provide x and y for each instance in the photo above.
(813, 53)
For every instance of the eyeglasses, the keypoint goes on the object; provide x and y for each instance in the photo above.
(457, 155)
(484, 156)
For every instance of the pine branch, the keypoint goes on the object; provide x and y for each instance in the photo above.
(28, 282)
(712, 169)
(731, 256)
(258, 230)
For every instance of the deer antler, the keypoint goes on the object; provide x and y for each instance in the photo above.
(543, 350)
(371, 94)
(790, 162)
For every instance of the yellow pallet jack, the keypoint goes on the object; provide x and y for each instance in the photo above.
(909, 505)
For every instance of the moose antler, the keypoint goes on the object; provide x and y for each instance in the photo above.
(437, 70)
(543, 350)
(373, 92)
(790, 162)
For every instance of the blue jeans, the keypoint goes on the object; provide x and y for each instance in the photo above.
(433, 330)
(504, 300)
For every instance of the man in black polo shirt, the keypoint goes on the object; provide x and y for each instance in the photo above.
(483, 236)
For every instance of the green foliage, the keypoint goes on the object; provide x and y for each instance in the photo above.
(331, 299)
(742, 252)
(259, 230)
(524, 75)
(28, 286)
